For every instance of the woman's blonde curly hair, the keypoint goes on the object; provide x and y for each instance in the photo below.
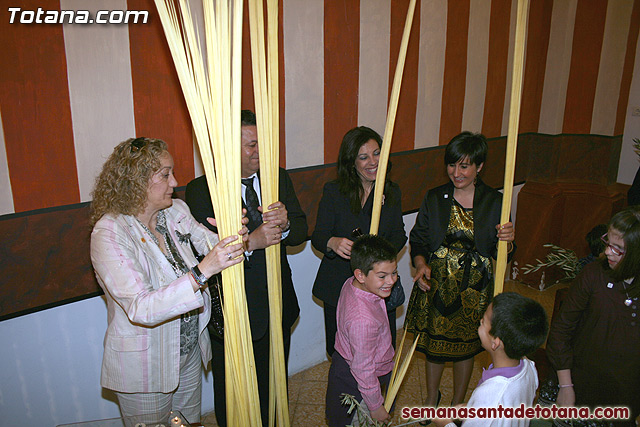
(121, 187)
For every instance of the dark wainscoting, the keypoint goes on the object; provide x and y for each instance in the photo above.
(45, 259)
(414, 171)
(570, 188)
(562, 214)
(45, 253)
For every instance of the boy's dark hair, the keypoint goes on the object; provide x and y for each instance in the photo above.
(520, 322)
(594, 239)
(368, 250)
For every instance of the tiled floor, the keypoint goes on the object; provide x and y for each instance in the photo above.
(307, 388)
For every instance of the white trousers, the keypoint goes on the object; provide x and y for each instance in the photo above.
(154, 408)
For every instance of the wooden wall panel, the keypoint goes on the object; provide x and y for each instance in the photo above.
(560, 214)
(59, 238)
(45, 259)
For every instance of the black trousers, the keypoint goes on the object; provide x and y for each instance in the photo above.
(341, 380)
(261, 356)
(331, 327)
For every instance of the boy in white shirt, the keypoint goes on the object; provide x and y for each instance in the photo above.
(512, 327)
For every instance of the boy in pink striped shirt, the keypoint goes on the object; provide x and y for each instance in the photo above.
(363, 360)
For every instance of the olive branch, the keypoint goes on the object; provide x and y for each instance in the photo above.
(364, 418)
(565, 259)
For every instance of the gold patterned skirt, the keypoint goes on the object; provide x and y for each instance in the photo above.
(448, 315)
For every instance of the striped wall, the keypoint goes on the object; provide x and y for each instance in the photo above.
(69, 93)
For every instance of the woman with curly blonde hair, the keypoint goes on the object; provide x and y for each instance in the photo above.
(156, 290)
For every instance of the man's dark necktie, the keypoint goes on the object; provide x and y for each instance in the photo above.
(251, 200)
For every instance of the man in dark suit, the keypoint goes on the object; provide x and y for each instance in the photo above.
(283, 223)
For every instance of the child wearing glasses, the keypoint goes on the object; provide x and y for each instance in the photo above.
(594, 341)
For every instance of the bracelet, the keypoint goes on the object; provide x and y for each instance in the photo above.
(565, 385)
(201, 279)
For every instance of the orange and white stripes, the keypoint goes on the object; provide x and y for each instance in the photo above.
(616, 33)
(558, 63)
(304, 81)
(101, 108)
(433, 25)
(6, 195)
(69, 93)
(373, 78)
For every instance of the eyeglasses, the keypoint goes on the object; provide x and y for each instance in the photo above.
(614, 249)
(138, 143)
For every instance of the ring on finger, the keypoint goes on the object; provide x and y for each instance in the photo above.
(229, 256)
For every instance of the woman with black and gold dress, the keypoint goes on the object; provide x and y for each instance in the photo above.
(452, 243)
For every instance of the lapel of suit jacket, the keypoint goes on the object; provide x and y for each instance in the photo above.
(183, 246)
(482, 206)
(444, 207)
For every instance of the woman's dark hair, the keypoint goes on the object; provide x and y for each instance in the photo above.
(520, 322)
(627, 222)
(467, 144)
(348, 180)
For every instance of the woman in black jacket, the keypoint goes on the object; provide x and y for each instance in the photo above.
(452, 244)
(344, 213)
